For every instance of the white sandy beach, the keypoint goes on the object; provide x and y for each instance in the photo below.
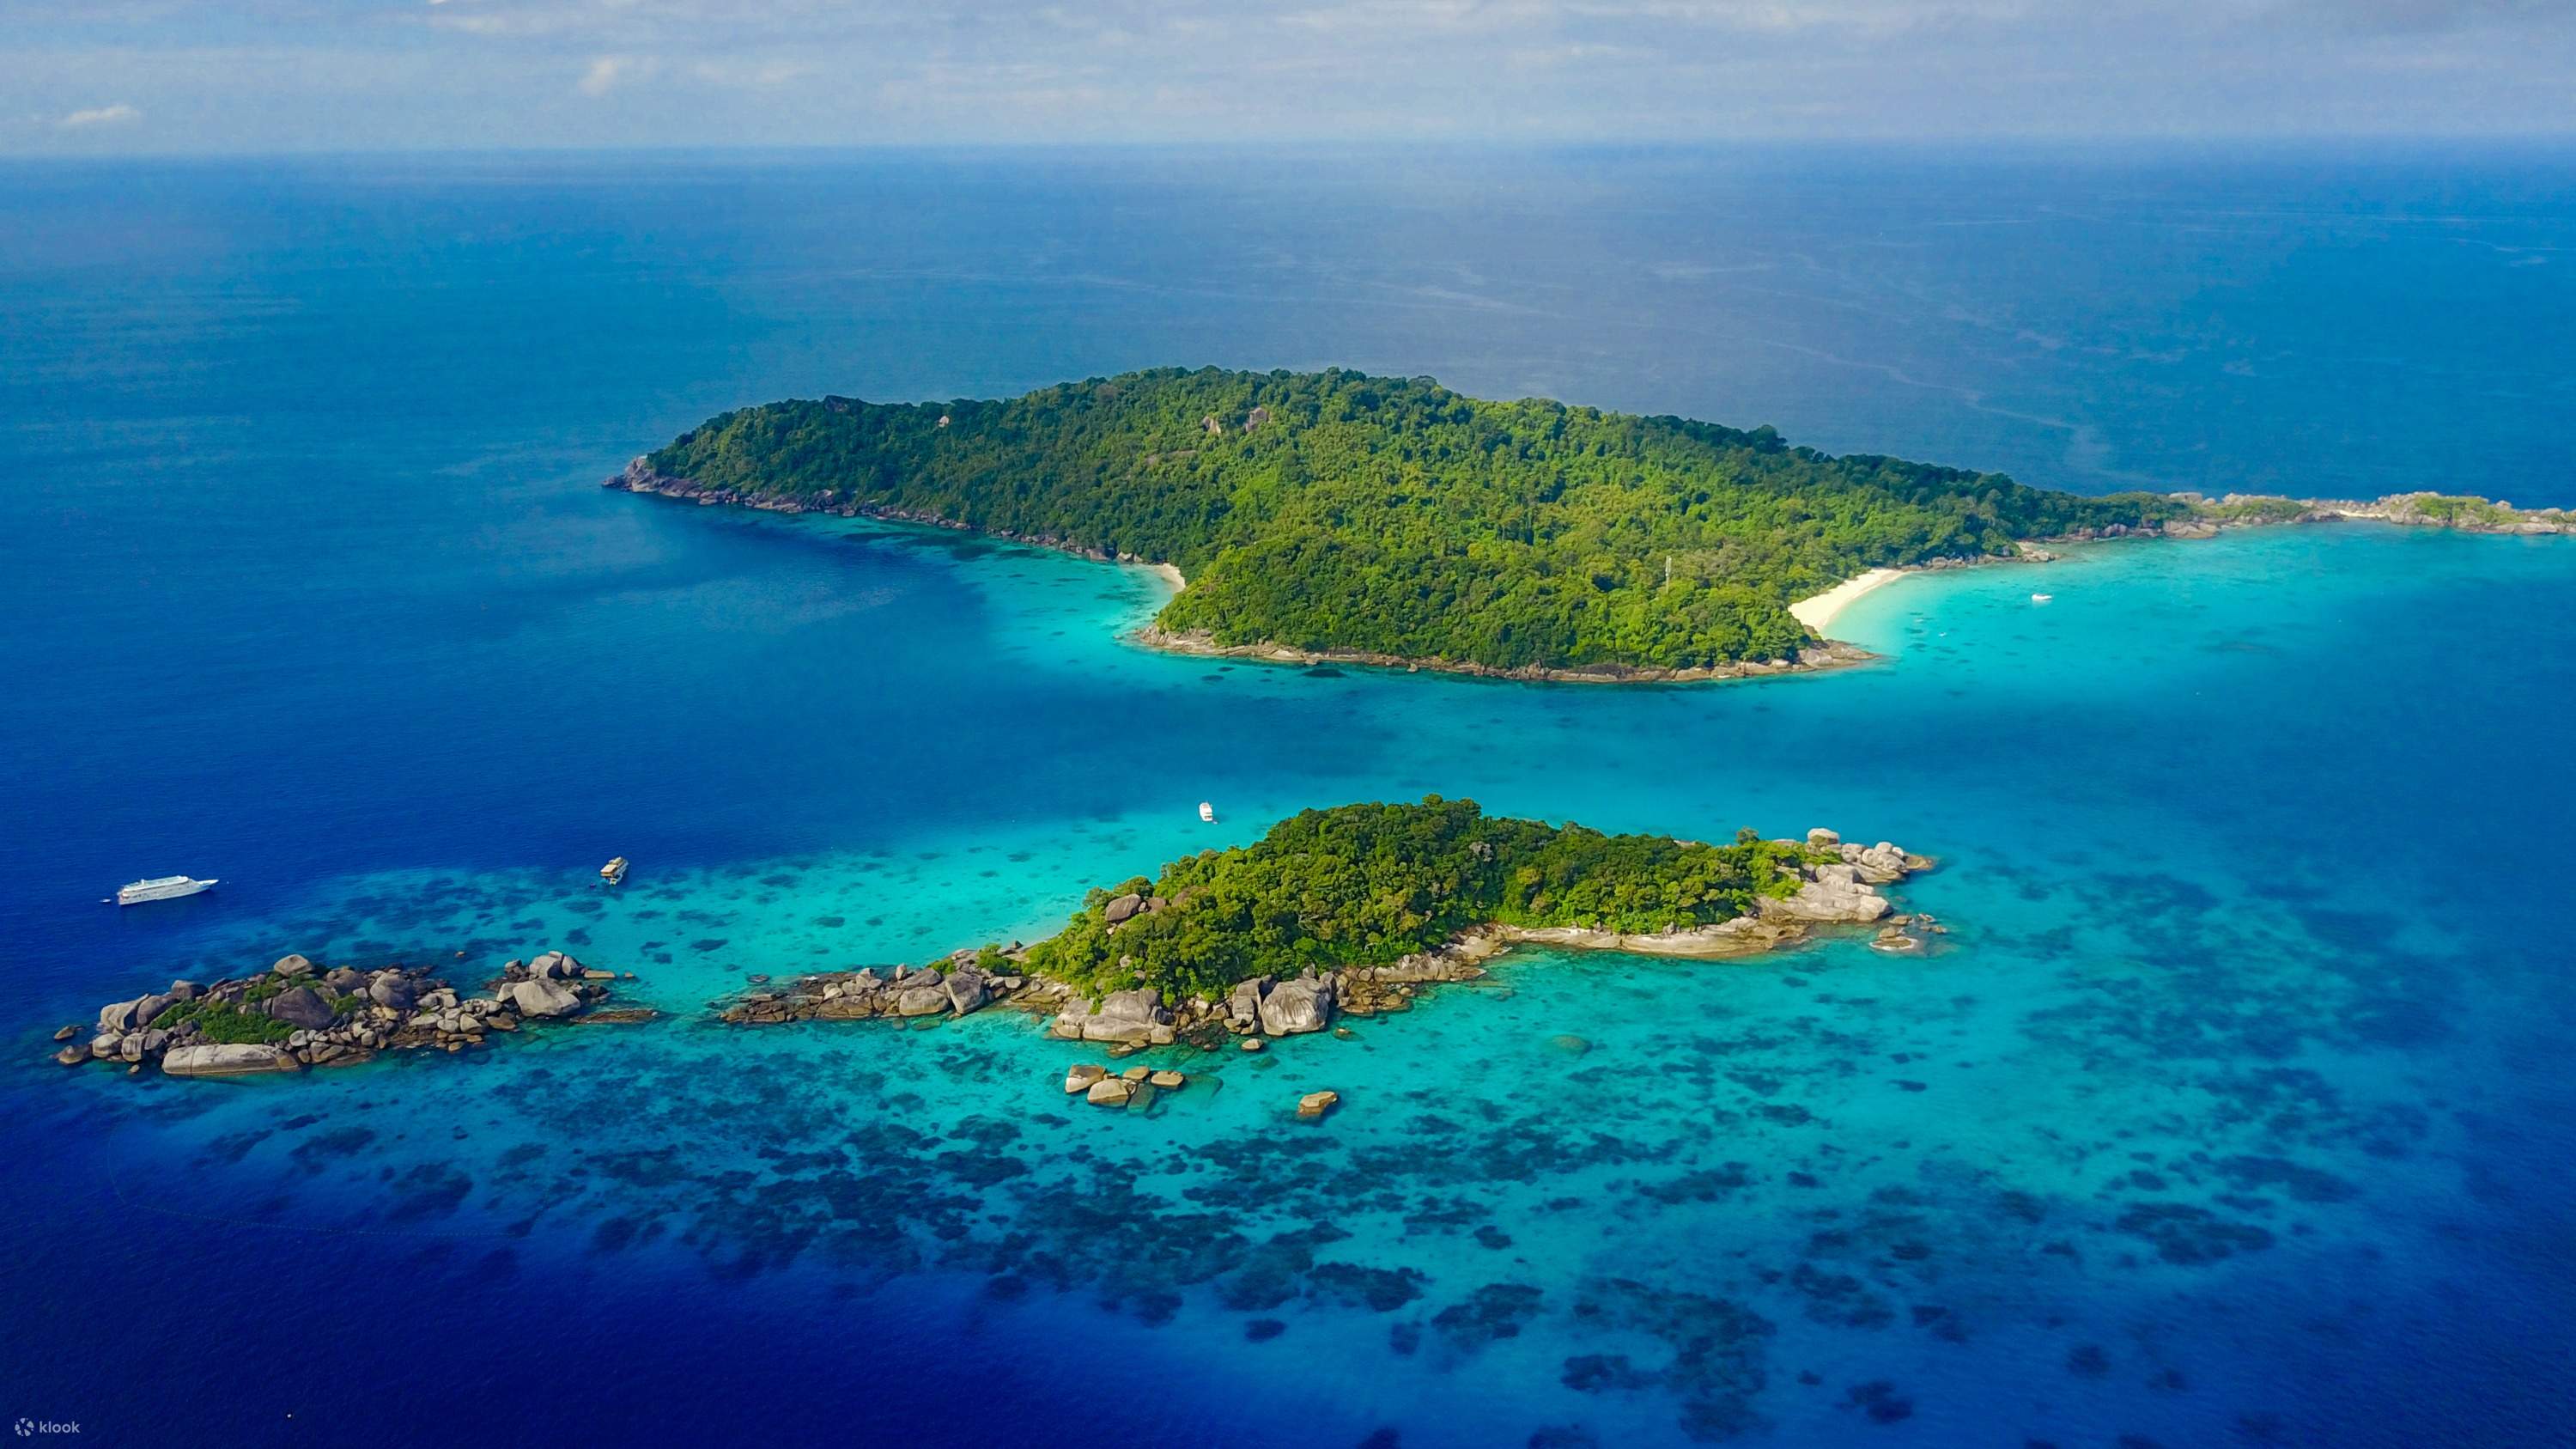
(1819, 610)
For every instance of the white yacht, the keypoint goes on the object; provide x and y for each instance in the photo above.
(614, 872)
(2041, 598)
(164, 888)
(1207, 812)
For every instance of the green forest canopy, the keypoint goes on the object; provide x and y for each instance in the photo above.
(1365, 884)
(1334, 510)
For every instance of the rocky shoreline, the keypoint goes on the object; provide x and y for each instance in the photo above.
(296, 1015)
(2421, 509)
(961, 985)
(640, 478)
(1837, 894)
(1814, 659)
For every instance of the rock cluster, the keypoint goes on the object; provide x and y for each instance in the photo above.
(2413, 510)
(1265, 1006)
(1843, 892)
(310, 1017)
(956, 987)
(1283, 1008)
(1907, 935)
(1135, 1089)
(1129, 1018)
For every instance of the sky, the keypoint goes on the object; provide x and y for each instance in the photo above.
(158, 76)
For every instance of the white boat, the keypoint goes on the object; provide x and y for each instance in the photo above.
(162, 888)
(2041, 598)
(614, 871)
(1207, 812)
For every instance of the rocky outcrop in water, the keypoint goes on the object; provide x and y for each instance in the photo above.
(2424, 509)
(2469, 515)
(1136, 1089)
(207, 1059)
(1291, 1008)
(966, 982)
(1844, 893)
(288, 1017)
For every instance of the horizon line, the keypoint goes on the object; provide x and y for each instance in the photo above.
(2126, 141)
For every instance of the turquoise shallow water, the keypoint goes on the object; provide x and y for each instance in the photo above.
(2233, 1110)
(2214, 1111)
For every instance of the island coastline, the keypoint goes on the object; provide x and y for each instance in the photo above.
(1817, 611)
(1825, 654)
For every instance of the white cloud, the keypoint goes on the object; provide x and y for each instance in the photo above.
(737, 73)
(116, 115)
(607, 72)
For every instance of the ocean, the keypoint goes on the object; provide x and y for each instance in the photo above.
(2234, 1108)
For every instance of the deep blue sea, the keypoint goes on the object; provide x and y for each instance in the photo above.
(2236, 1109)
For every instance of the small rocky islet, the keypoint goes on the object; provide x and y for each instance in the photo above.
(296, 1014)
(1136, 1089)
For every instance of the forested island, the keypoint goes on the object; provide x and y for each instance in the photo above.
(1338, 516)
(1367, 884)
(1352, 908)
(1393, 520)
